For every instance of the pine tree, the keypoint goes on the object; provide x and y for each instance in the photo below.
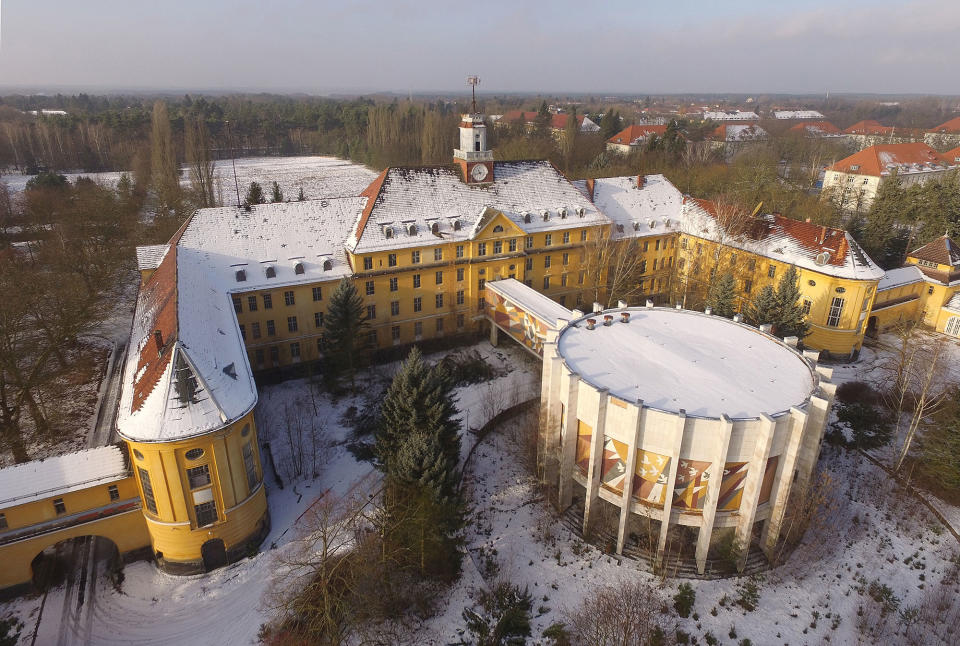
(276, 195)
(721, 296)
(570, 132)
(610, 124)
(300, 196)
(343, 327)
(255, 194)
(790, 319)
(764, 308)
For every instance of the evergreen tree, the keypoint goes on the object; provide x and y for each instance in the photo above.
(276, 195)
(343, 327)
(300, 196)
(542, 124)
(163, 161)
(570, 132)
(722, 295)
(764, 308)
(255, 194)
(790, 320)
(610, 124)
(883, 232)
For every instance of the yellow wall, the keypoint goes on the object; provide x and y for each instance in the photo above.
(241, 510)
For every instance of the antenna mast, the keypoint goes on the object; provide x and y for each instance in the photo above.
(473, 82)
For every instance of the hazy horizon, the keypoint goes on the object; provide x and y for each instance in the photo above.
(428, 47)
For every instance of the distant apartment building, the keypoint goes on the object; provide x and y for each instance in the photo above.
(796, 114)
(634, 138)
(852, 183)
(817, 130)
(557, 123)
(736, 115)
(864, 134)
(732, 137)
(946, 135)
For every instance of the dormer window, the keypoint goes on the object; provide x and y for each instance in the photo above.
(581, 211)
(241, 276)
(563, 213)
(456, 225)
(527, 218)
(435, 229)
(327, 264)
(545, 214)
(412, 229)
(388, 232)
(298, 268)
(855, 167)
(271, 271)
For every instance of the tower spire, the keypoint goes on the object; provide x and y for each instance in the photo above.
(473, 82)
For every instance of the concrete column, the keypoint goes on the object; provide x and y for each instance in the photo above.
(782, 485)
(627, 499)
(817, 412)
(551, 406)
(596, 460)
(671, 483)
(493, 333)
(718, 462)
(752, 484)
(570, 385)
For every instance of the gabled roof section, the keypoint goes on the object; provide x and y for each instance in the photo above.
(883, 159)
(951, 156)
(157, 319)
(150, 256)
(943, 251)
(816, 128)
(372, 193)
(39, 479)
(631, 134)
(951, 127)
(868, 127)
(488, 217)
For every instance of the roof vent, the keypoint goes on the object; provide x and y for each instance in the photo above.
(737, 317)
(652, 224)
(624, 317)
(649, 304)
(608, 319)
(241, 276)
(298, 268)
(766, 328)
(708, 311)
(822, 258)
(230, 370)
(271, 271)
(327, 264)
(597, 307)
(619, 228)
(412, 229)
(636, 226)
(591, 323)
(667, 222)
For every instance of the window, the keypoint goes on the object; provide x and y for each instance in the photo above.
(439, 326)
(752, 265)
(243, 332)
(498, 247)
(930, 289)
(747, 286)
(59, 507)
(415, 257)
(369, 288)
(548, 240)
(546, 262)
(481, 284)
(268, 301)
(275, 356)
(580, 277)
(836, 309)
(368, 263)
(439, 300)
(481, 248)
(198, 476)
(317, 294)
(529, 264)
(699, 248)
(418, 329)
(656, 246)
(528, 244)
(460, 297)
(3, 521)
(252, 303)
(438, 254)
(318, 319)
(680, 264)
(392, 260)
(563, 280)
(206, 513)
(566, 237)
(194, 454)
(460, 273)
(418, 304)
(147, 487)
(772, 271)
(461, 318)
(481, 303)
(566, 258)
(291, 323)
(394, 284)
(498, 229)
(546, 282)
(250, 466)
(295, 351)
(372, 338)
(271, 329)
(258, 354)
(237, 305)
(459, 251)
(643, 266)
(394, 308)
(583, 235)
(683, 243)
(733, 259)
(646, 245)
(371, 311)
(395, 332)
(654, 264)
(439, 277)
(416, 280)
(512, 244)
(288, 299)
(528, 283)
(321, 343)
(806, 307)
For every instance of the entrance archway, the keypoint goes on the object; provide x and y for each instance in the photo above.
(70, 559)
(214, 554)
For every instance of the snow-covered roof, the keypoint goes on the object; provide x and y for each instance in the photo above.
(953, 304)
(719, 115)
(797, 114)
(884, 159)
(529, 300)
(739, 132)
(899, 277)
(149, 256)
(40, 479)
(679, 359)
(651, 209)
(428, 196)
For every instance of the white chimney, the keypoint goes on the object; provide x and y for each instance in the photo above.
(649, 304)
(707, 311)
(597, 307)
(679, 306)
(766, 328)
(621, 305)
(577, 314)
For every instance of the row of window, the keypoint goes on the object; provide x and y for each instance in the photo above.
(60, 507)
(289, 299)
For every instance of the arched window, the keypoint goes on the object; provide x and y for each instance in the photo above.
(498, 229)
(953, 326)
(271, 271)
(327, 265)
(298, 268)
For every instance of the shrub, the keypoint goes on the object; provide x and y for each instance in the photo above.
(501, 616)
(748, 593)
(683, 600)
(857, 392)
(869, 426)
(620, 614)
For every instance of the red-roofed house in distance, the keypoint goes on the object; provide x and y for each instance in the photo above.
(633, 138)
(951, 156)
(852, 183)
(946, 135)
(864, 134)
(557, 124)
(732, 137)
(816, 129)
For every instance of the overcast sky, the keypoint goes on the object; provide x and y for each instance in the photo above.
(584, 46)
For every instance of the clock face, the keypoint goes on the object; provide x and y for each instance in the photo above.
(479, 172)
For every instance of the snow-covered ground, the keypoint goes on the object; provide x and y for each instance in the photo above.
(319, 177)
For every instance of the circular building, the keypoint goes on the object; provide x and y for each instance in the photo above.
(659, 419)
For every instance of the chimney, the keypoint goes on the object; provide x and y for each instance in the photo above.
(597, 307)
(708, 311)
(679, 306)
(608, 319)
(807, 220)
(621, 305)
(591, 185)
(649, 304)
(624, 317)
(158, 340)
(591, 323)
(577, 314)
(792, 341)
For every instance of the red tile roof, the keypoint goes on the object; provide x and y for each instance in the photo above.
(557, 121)
(868, 127)
(632, 133)
(372, 193)
(159, 295)
(951, 156)
(948, 127)
(942, 251)
(876, 160)
(817, 126)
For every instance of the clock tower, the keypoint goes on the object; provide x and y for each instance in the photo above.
(473, 156)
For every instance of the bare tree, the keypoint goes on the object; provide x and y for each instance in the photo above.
(626, 613)
(197, 149)
(611, 266)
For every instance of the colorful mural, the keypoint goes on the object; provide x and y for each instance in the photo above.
(584, 440)
(768, 474)
(523, 327)
(731, 486)
(650, 477)
(690, 486)
(614, 464)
